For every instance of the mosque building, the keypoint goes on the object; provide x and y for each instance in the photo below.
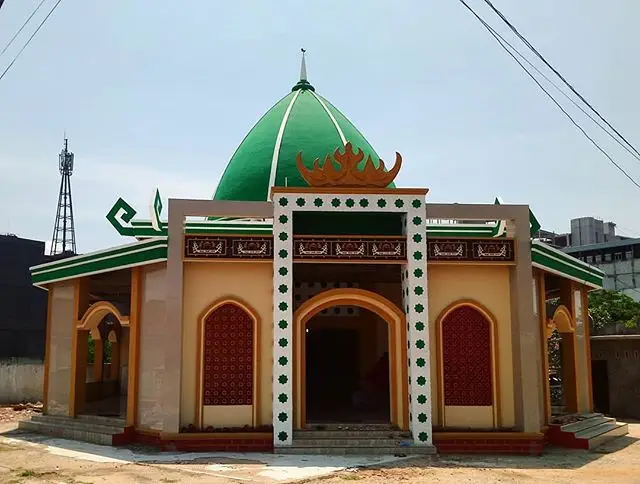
(314, 306)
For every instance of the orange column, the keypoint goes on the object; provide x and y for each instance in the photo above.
(98, 361)
(542, 315)
(115, 358)
(569, 376)
(79, 348)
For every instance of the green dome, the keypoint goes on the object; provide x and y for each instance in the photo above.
(301, 121)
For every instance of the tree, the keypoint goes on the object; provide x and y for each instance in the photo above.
(608, 308)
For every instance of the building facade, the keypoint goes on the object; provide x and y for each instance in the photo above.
(313, 292)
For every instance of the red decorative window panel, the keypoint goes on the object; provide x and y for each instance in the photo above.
(467, 358)
(228, 357)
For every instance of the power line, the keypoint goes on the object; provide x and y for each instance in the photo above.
(555, 71)
(21, 28)
(561, 91)
(503, 43)
(29, 40)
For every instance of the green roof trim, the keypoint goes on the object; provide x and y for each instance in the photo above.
(121, 257)
(121, 217)
(557, 262)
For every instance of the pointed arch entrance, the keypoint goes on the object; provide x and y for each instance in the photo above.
(396, 331)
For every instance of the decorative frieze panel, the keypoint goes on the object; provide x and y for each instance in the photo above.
(208, 247)
(314, 248)
(471, 250)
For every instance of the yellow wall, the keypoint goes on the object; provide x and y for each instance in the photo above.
(490, 287)
(206, 283)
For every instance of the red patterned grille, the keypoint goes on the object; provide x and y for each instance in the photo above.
(466, 358)
(228, 357)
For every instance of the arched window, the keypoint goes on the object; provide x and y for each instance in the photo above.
(228, 356)
(467, 358)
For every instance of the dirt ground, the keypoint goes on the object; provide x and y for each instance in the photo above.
(25, 459)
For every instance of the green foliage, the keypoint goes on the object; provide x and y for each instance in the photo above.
(91, 354)
(608, 308)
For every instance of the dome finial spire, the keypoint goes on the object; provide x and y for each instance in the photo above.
(303, 66)
(303, 84)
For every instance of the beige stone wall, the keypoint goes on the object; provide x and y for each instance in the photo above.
(152, 361)
(206, 283)
(489, 286)
(60, 346)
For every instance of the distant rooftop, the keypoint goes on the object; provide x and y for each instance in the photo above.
(603, 245)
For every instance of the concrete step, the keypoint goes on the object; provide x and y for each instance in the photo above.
(77, 424)
(586, 423)
(619, 430)
(358, 427)
(386, 450)
(65, 432)
(596, 430)
(100, 420)
(348, 434)
(365, 443)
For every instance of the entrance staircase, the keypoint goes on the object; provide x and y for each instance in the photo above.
(586, 431)
(356, 439)
(86, 428)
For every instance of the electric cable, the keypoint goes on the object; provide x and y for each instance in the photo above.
(503, 43)
(557, 73)
(21, 28)
(29, 40)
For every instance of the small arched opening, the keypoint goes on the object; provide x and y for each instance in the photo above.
(100, 382)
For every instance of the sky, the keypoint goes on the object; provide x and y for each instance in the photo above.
(159, 93)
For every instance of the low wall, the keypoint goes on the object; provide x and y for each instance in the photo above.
(21, 380)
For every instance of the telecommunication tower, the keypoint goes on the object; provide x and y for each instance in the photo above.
(64, 234)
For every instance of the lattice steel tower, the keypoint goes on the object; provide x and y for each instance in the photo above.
(64, 234)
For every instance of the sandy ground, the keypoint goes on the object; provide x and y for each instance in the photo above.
(27, 458)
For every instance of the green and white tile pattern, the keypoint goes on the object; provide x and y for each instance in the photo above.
(414, 286)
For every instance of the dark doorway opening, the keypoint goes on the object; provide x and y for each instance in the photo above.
(600, 378)
(347, 378)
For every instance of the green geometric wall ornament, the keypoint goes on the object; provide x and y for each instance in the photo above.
(156, 211)
(120, 217)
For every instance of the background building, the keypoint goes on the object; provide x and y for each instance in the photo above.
(23, 307)
(596, 242)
